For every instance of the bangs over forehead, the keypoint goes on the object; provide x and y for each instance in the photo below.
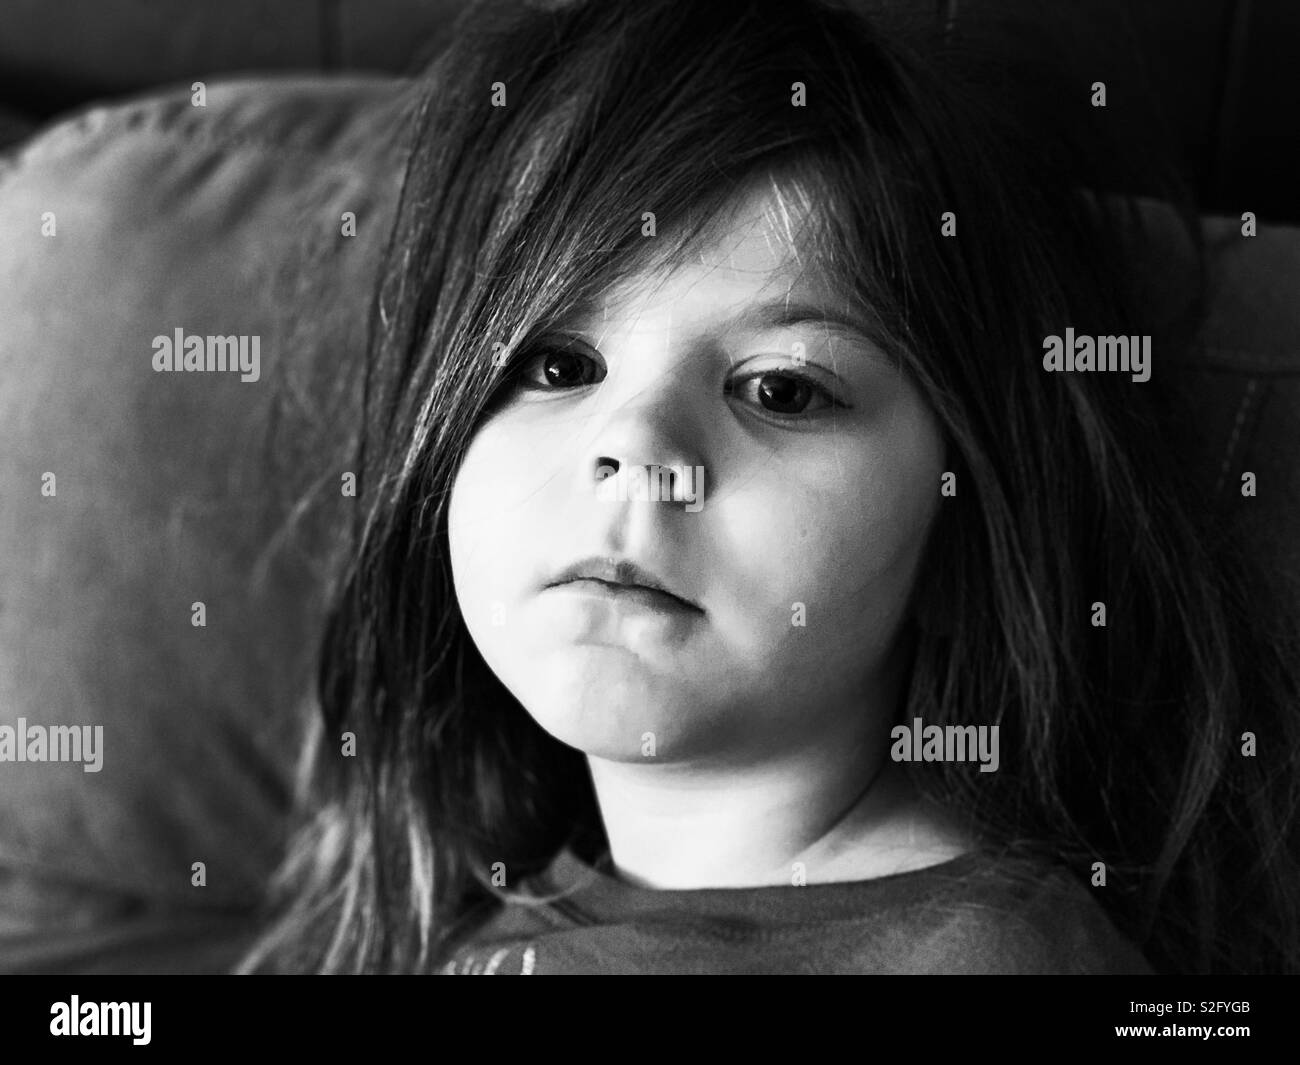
(770, 227)
(636, 166)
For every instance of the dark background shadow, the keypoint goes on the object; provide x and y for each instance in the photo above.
(1217, 82)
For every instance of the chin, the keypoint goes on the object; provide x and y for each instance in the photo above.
(604, 710)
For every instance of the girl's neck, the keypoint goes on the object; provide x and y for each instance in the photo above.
(761, 832)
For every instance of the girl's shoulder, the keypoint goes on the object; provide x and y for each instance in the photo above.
(952, 903)
(988, 913)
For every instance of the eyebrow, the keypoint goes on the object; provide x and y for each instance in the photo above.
(775, 314)
(783, 314)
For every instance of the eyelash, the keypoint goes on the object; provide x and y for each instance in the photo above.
(517, 376)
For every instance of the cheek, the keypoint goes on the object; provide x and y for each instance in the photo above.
(475, 528)
(842, 537)
(506, 507)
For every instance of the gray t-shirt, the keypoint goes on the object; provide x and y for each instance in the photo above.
(971, 914)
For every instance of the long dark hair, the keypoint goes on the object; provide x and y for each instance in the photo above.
(1121, 744)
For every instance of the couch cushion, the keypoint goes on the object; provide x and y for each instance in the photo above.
(173, 488)
(1238, 392)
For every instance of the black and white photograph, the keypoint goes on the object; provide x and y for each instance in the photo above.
(651, 487)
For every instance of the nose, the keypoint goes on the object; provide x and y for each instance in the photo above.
(652, 437)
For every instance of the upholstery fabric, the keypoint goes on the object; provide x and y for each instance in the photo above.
(172, 489)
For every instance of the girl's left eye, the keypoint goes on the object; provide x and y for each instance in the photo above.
(785, 393)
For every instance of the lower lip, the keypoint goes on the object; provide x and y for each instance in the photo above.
(634, 597)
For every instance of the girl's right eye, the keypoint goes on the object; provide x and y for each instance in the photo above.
(551, 367)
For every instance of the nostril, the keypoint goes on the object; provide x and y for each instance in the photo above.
(606, 468)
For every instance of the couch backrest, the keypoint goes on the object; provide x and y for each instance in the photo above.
(123, 225)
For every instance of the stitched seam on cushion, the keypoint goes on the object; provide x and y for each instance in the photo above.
(161, 116)
(20, 865)
(1242, 408)
(212, 138)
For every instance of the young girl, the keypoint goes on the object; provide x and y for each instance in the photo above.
(737, 590)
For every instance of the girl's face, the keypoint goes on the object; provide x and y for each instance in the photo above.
(794, 536)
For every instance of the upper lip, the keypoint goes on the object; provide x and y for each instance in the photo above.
(613, 570)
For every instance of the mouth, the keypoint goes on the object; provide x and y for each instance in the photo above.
(621, 580)
(629, 594)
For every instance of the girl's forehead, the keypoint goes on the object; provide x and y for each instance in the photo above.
(752, 253)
